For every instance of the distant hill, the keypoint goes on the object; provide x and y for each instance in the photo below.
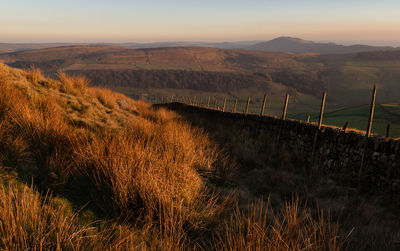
(347, 78)
(281, 44)
(220, 45)
(169, 58)
(297, 45)
(15, 47)
(199, 68)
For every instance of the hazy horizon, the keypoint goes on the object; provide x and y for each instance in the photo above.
(212, 21)
(340, 42)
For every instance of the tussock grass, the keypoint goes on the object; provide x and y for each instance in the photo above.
(34, 75)
(73, 84)
(29, 223)
(291, 228)
(149, 175)
(105, 97)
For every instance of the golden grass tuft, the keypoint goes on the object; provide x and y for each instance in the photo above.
(292, 228)
(3, 74)
(29, 223)
(34, 75)
(150, 166)
(105, 96)
(73, 84)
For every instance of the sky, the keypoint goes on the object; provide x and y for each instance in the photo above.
(198, 20)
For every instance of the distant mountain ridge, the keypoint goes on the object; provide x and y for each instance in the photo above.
(212, 69)
(297, 45)
(17, 47)
(280, 44)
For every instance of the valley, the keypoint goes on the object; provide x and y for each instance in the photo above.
(205, 72)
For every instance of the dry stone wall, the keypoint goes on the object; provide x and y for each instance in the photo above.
(337, 153)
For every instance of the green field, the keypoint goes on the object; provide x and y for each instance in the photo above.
(297, 103)
(349, 81)
(299, 107)
(358, 118)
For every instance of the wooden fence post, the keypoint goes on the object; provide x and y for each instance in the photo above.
(345, 126)
(388, 131)
(321, 112)
(208, 102)
(367, 134)
(318, 132)
(263, 105)
(278, 146)
(235, 105)
(223, 108)
(247, 106)
(371, 112)
(285, 107)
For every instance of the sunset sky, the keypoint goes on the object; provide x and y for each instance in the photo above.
(190, 20)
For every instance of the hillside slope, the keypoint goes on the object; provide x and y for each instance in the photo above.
(348, 78)
(195, 68)
(85, 168)
(119, 58)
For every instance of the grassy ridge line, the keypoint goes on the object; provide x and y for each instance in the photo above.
(122, 175)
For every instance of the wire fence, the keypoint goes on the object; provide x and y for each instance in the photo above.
(259, 106)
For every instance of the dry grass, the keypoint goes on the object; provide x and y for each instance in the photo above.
(145, 167)
(28, 223)
(105, 96)
(73, 84)
(152, 170)
(292, 228)
(34, 75)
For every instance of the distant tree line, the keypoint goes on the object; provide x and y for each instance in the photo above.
(178, 79)
(47, 66)
(309, 82)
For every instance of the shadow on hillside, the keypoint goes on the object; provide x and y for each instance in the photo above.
(371, 220)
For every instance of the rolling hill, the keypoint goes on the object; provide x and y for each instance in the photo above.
(197, 68)
(297, 45)
(203, 72)
(281, 44)
(185, 58)
(15, 47)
